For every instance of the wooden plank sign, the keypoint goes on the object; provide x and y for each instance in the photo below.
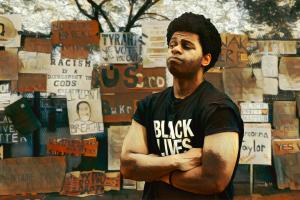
(32, 83)
(112, 181)
(86, 147)
(83, 184)
(120, 107)
(9, 66)
(75, 32)
(233, 51)
(40, 45)
(256, 146)
(255, 112)
(120, 47)
(128, 78)
(32, 175)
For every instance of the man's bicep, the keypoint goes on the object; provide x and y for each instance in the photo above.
(220, 152)
(135, 140)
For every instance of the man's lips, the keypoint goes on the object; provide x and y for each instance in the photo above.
(176, 59)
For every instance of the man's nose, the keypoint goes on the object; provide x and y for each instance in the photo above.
(176, 49)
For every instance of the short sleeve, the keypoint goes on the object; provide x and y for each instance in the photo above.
(140, 113)
(223, 119)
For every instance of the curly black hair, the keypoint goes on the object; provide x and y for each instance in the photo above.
(209, 36)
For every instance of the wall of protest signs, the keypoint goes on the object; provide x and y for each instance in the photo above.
(123, 82)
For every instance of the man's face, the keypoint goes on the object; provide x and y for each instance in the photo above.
(84, 112)
(184, 55)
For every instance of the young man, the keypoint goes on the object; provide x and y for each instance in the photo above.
(185, 141)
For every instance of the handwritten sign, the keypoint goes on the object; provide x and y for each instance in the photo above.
(254, 112)
(67, 75)
(286, 146)
(269, 65)
(86, 147)
(120, 47)
(112, 181)
(33, 62)
(83, 184)
(233, 51)
(75, 52)
(75, 32)
(32, 83)
(9, 66)
(155, 46)
(256, 146)
(120, 107)
(40, 45)
(85, 115)
(9, 27)
(32, 175)
(128, 78)
(8, 133)
(116, 135)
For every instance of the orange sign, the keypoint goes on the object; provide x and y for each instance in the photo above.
(32, 82)
(37, 45)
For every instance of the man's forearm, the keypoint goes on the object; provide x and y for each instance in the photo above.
(147, 167)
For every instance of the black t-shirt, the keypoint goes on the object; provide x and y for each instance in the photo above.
(177, 125)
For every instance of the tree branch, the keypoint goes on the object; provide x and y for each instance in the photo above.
(103, 14)
(155, 14)
(131, 4)
(83, 11)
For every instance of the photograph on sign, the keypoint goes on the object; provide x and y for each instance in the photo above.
(83, 184)
(40, 45)
(112, 181)
(85, 116)
(120, 47)
(9, 27)
(33, 62)
(254, 112)
(9, 66)
(32, 175)
(289, 73)
(269, 65)
(256, 146)
(233, 51)
(154, 43)
(67, 75)
(116, 135)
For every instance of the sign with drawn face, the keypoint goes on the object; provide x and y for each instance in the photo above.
(256, 146)
(120, 47)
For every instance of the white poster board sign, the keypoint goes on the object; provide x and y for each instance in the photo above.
(120, 47)
(155, 47)
(68, 75)
(254, 112)
(34, 62)
(256, 146)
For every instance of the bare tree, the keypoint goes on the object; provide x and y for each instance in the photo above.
(98, 12)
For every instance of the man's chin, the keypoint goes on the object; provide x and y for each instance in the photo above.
(178, 74)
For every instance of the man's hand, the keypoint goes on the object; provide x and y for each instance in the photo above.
(189, 160)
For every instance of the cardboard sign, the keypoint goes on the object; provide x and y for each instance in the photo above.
(128, 78)
(75, 32)
(112, 181)
(85, 115)
(83, 184)
(32, 83)
(8, 133)
(289, 73)
(269, 66)
(75, 52)
(256, 146)
(9, 27)
(25, 121)
(155, 46)
(115, 138)
(32, 175)
(233, 51)
(40, 45)
(277, 47)
(33, 62)
(121, 106)
(215, 78)
(129, 184)
(270, 86)
(1, 152)
(120, 47)
(9, 66)
(67, 75)
(286, 146)
(86, 147)
(254, 112)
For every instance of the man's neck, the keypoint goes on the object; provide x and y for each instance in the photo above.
(185, 87)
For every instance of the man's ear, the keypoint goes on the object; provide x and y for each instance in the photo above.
(206, 59)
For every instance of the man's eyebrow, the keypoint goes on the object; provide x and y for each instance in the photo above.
(188, 41)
